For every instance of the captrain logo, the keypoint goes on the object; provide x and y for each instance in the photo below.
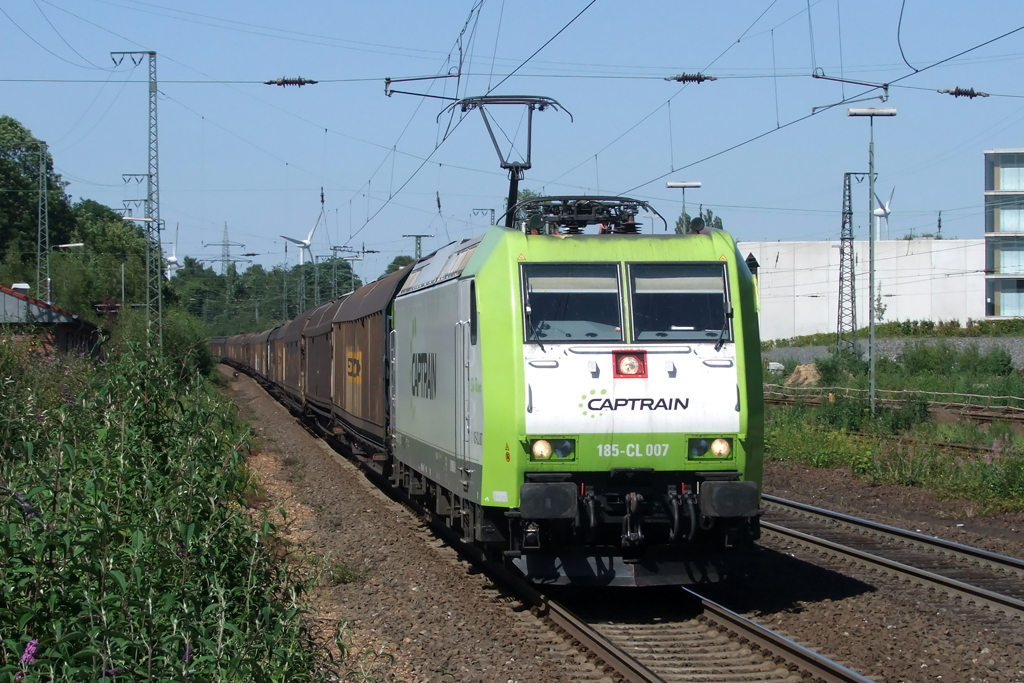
(595, 404)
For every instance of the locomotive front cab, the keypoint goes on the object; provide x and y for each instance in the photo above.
(641, 464)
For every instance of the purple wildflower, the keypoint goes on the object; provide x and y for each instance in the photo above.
(27, 512)
(988, 458)
(960, 461)
(187, 657)
(115, 672)
(29, 655)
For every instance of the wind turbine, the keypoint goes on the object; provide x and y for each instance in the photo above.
(881, 212)
(304, 244)
(172, 262)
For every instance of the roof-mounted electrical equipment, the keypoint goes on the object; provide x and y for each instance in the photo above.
(569, 215)
(515, 169)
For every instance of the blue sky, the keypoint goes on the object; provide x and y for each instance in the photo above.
(256, 156)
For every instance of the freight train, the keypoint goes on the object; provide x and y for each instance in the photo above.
(580, 399)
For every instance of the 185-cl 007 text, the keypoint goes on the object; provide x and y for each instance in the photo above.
(632, 450)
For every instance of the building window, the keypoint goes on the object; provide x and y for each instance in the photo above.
(1004, 298)
(1011, 172)
(1011, 262)
(1004, 214)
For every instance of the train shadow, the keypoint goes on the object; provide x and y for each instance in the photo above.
(769, 582)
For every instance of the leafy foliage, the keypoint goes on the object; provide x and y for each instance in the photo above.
(843, 435)
(123, 549)
(257, 299)
(707, 215)
(912, 328)
(398, 263)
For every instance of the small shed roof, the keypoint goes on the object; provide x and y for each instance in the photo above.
(18, 308)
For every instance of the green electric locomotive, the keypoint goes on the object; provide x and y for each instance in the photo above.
(582, 399)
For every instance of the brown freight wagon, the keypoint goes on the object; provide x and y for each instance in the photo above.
(361, 326)
(292, 384)
(318, 358)
(217, 346)
(259, 354)
(275, 356)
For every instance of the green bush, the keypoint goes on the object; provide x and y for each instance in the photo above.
(185, 345)
(123, 548)
(843, 413)
(838, 368)
(820, 436)
(912, 412)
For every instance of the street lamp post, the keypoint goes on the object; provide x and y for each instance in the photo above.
(682, 185)
(871, 113)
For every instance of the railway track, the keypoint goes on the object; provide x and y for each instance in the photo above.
(715, 644)
(977, 576)
(709, 643)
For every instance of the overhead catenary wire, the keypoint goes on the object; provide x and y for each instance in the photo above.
(830, 106)
(64, 40)
(461, 119)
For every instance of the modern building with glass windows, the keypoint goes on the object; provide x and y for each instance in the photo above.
(1004, 233)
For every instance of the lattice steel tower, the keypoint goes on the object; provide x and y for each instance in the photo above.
(155, 252)
(43, 233)
(846, 329)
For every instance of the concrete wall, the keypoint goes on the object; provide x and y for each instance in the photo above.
(918, 280)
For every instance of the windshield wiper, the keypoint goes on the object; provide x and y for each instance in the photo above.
(725, 328)
(527, 310)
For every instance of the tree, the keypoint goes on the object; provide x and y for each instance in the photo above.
(19, 202)
(710, 220)
(682, 223)
(398, 263)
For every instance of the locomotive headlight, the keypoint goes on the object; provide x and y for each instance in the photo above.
(720, 448)
(564, 448)
(629, 365)
(541, 449)
(553, 449)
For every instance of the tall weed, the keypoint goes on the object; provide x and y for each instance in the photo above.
(123, 550)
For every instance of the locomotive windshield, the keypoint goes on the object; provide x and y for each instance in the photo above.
(571, 303)
(679, 302)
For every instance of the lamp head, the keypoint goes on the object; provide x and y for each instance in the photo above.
(871, 111)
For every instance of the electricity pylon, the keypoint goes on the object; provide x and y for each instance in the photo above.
(154, 251)
(846, 329)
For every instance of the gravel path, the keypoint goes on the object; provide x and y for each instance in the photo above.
(417, 601)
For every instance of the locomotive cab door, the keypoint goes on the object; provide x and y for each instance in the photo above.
(468, 412)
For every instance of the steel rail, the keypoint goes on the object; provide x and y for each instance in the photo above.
(625, 665)
(966, 551)
(808, 660)
(981, 596)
